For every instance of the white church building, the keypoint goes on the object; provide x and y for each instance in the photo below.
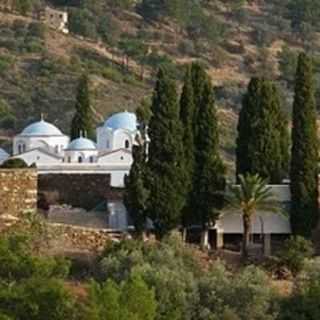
(44, 145)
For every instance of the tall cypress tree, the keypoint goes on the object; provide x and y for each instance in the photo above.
(285, 141)
(209, 174)
(187, 109)
(247, 117)
(266, 146)
(165, 169)
(260, 147)
(136, 193)
(82, 119)
(199, 78)
(304, 156)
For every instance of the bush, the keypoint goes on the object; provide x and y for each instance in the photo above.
(304, 302)
(186, 47)
(246, 295)
(5, 63)
(132, 299)
(17, 261)
(8, 122)
(14, 164)
(112, 74)
(37, 30)
(294, 253)
(169, 267)
(37, 299)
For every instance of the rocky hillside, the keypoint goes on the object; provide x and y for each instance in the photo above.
(121, 46)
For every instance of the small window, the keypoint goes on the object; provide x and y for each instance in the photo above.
(61, 16)
(127, 144)
(69, 159)
(38, 158)
(56, 149)
(108, 144)
(19, 148)
(80, 159)
(91, 159)
(121, 158)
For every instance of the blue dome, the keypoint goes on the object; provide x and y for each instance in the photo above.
(122, 120)
(41, 128)
(82, 144)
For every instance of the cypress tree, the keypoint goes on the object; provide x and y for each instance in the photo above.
(82, 119)
(136, 193)
(187, 109)
(165, 170)
(209, 174)
(262, 143)
(304, 158)
(283, 127)
(247, 117)
(266, 147)
(198, 77)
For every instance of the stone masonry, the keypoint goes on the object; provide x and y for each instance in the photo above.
(68, 237)
(18, 191)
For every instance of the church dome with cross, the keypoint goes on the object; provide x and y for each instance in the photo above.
(118, 132)
(81, 150)
(40, 134)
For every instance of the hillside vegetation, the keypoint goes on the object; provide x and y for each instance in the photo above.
(121, 44)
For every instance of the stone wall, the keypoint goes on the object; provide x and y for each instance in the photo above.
(18, 191)
(74, 238)
(78, 190)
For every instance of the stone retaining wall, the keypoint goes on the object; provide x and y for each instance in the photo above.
(69, 237)
(18, 191)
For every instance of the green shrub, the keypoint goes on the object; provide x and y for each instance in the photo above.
(33, 46)
(14, 164)
(37, 298)
(8, 122)
(112, 74)
(294, 253)
(5, 63)
(37, 30)
(132, 299)
(186, 47)
(304, 301)
(17, 261)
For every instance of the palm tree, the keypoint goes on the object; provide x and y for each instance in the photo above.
(250, 195)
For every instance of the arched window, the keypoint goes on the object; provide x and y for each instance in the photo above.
(127, 144)
(56, 149)
(69, 159)
(80, 159)
(19, 148)
(91, 159)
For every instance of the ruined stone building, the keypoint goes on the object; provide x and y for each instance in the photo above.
(56, 19)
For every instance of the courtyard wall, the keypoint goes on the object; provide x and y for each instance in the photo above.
(78, 190)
